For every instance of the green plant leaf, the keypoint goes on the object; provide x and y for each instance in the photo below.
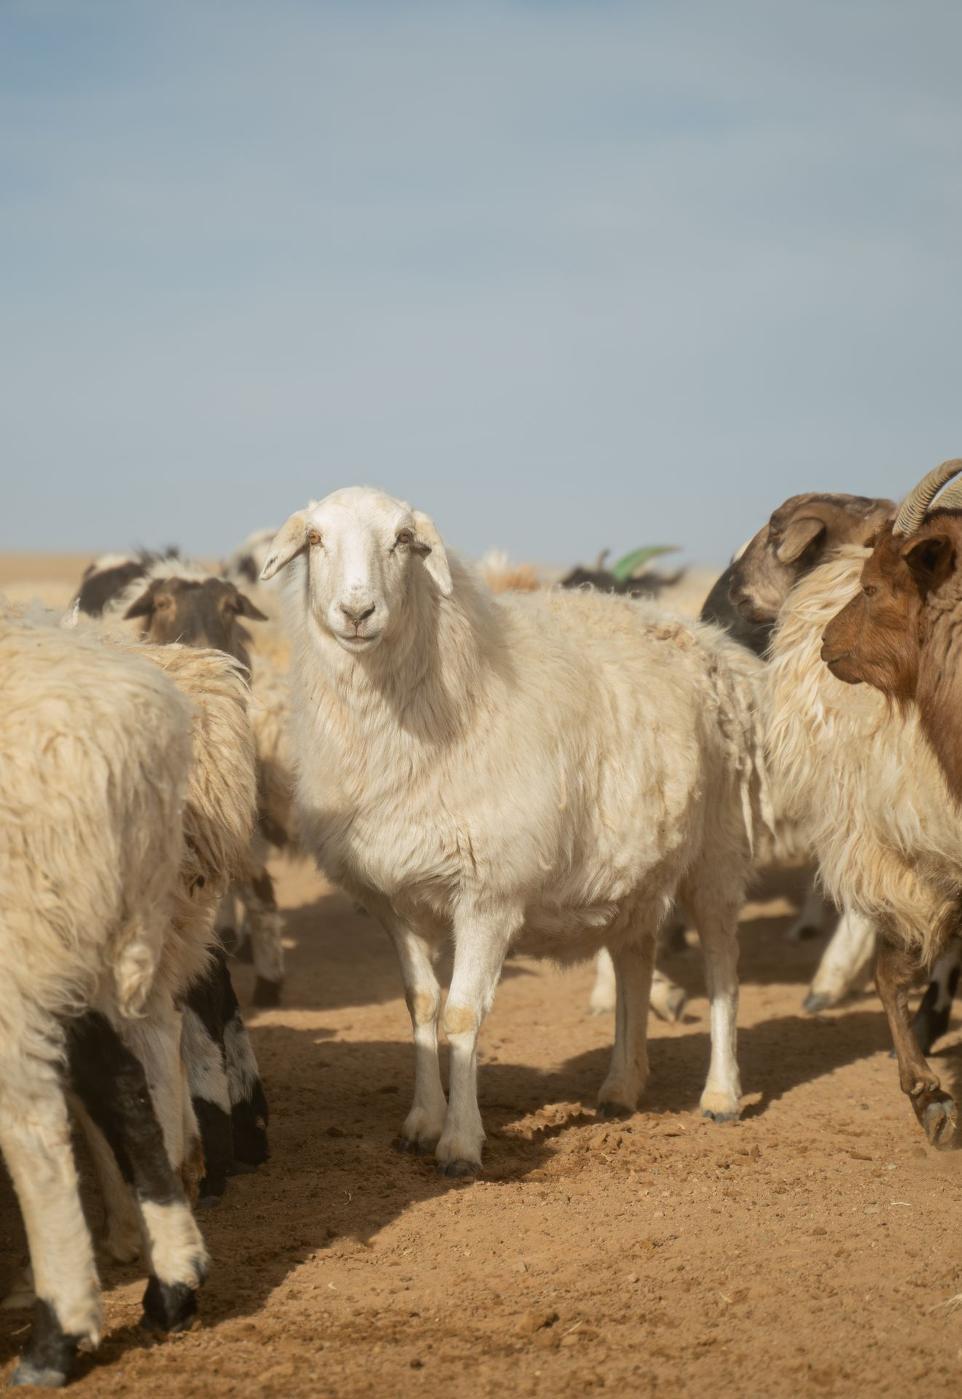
(630, 565)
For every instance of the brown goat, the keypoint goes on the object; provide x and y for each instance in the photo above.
(901, 634)
(798, 535)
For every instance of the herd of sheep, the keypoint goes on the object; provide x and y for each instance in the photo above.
(479, 762)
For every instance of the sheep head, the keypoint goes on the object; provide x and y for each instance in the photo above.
(197, 612)
(799, 534)
(362, 551)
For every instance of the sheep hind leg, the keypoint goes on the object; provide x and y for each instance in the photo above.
(35, 1140)
(111, 1083)
(628, 1071)
(424, 1124)
(715, 912)
(936, 1111)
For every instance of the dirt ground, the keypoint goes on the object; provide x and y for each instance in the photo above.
(811, 1249)
(814, 1248)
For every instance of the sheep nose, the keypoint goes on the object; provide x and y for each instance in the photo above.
(357, 614)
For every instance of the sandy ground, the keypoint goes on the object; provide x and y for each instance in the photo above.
(811, 1249)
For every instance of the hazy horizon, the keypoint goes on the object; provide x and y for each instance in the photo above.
(566, 276)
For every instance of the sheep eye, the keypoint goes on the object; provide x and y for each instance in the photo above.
(405, 537)
(869, 589)
(314, 538)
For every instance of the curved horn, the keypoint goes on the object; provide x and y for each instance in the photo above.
(950, 499)
(913, 507)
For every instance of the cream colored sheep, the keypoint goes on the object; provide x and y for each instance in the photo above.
(95, 747)
(543, 772)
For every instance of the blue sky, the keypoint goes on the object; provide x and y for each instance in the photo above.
(564, 275)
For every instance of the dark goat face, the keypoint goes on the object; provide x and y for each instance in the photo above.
(196, 612)
(798, 536)
(877, 637)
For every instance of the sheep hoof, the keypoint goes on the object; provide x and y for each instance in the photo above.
(266, 993)
(459, 1170)
(720, 1117)
(675, 1004)
(168, 1306)
(816, 1001)
(410, 1146)
(940, 1119)
(42, 1377)
(615, 1110)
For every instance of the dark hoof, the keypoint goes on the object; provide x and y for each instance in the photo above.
(266, 993)
(27, 1373)
(940, 1121)
(815, 1002)
(720, 1117)
(168, 1306)
(459, 1170)
(208, 1199)
(615, 1111)
(409, 1147)
(249, 1138)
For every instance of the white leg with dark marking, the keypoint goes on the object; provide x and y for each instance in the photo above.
(425, 1122)
(480, 945)
(35, 1140)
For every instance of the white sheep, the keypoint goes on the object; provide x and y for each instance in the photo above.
(95, 747)
(543, 772)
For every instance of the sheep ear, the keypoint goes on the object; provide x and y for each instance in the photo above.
(289, 540)
(245, 608)
(799, 534)
(431, 548)
(930, 560)
(143, 606)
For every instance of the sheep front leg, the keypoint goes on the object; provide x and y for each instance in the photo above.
(935, 1110)
(425, 1122)
(628, 1071)
(480, 945)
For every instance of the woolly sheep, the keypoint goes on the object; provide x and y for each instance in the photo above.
(96, 751)
(543, 772)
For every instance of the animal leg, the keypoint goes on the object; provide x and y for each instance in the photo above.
(715, 912)
(628, 1071)
(425, 1122)
(480, 946)
(846, 962)
(111, 1083)
(935, 1110)
(35, 1139)
(264, 927)
(932, 1017)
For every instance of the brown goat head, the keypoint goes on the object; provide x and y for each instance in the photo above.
(196, 612)
(799, 534)
(902, 632)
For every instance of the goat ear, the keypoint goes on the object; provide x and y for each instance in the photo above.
(798, 535)
(431, 548)
(143, 607)
(930, 560)
(289, 540)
